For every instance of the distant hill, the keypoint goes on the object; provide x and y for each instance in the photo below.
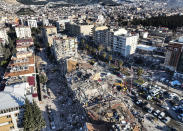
(11, 1)
(25, 11)
(34, 2)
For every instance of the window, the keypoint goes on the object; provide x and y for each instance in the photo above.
(8, 116)
(17, 114)
(10, 122)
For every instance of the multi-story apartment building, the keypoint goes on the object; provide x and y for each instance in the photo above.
(20, 84)
(23, 63)
(173, 54)
(102, 35)
(23, 31)
(45, 22)
(180, 65)
(124, 43)
(11, 106)
(174, 58)
(60, 24)
(49, 33)
(32, 23)
(64, 47)
(79, 30)
(2, 43)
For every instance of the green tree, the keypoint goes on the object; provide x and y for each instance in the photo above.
(90, 49)
(100, 48)
(110, 59)
(3, 62)
(140, 71)
(120, 64)
(38, 118)
(28, 119)
(43, 78)
(94, 51)
(87, 46)
(7, 53)
(104, 55)
(32, 119)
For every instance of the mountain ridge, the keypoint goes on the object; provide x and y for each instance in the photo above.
(34, 2)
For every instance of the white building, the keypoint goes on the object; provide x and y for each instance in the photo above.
(11, 106)
(3, 34)
(124, 43)
(100, 19)
(23, 31)
(45, 22)
(32, 23)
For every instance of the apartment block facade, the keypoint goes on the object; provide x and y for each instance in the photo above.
(79, 30)
(20, 84)
(125, 43)
(23, 32)
(102, 35)
(49, 33)
(64, 47)
(32, 23)
(173, 54)
(3, 35)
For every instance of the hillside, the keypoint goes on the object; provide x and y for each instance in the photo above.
(25, 11)
(11, 1)
(33, 2)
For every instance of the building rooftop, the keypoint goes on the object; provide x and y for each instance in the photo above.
(9, 100)
(24, 40)
(146, 47)
(23, 61)
(17, 88)
(30, 70)
(121, 31)
(101, 28)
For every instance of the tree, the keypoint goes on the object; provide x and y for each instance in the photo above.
(100, 48)
(94, 51)
(120, 64)
(7, 53)
(28, 120)
(104, 55)
(43, 78)
(140, 71)
(32, 119)
(87, 46)
(4, 62)
(38, 118)
(90, 49)
(110, 59)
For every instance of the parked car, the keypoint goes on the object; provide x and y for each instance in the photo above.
(150, 110)
(139, 102)
(156, 113)
(166, 119)
(174, 108)
(161, 115)
(180, 117)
